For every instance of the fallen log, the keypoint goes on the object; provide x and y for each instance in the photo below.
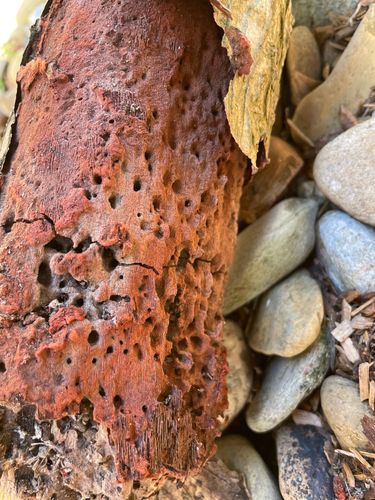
(120, 194)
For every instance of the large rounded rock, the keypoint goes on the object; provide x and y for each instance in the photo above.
(238, 454)
(346, 248)
(318, 114)
(270, 249)
(287, 381)
(344, 411)
(289, 317)
(304, 472)
(240, 375)
(344, 171)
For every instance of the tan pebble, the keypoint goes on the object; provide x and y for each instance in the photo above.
(289, 317)
(270, 249)
(286, 382)
(344, 171)
(344, 411)
(238, 454)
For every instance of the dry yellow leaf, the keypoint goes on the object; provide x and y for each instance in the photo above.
(250, 104)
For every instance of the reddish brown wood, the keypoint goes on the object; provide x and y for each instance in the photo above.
(118, 213)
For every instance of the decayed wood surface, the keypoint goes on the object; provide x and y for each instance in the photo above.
(120, 193)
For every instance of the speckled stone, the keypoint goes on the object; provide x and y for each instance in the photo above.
(346, 248)
(344, 411)
(288, 318)
(344, 171)
(270, 249)
(304, 472)
(238, 454)
(286, 382)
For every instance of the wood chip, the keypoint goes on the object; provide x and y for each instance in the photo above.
(363, 306)
(368, 426)
(344, 452)
(360, 458)
(356, 12)
(369, 310)
(364, 381)
(328, 455)
(342, 331)
(371, 396)
(364, 339)
(346, 310)
(351, 351)
(361, 477)
(361, 322)
(302, 417)
(348, 474)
